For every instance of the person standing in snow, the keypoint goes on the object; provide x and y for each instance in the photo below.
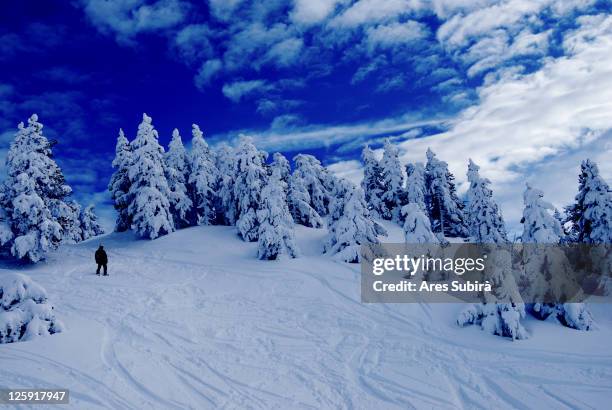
(101, 260)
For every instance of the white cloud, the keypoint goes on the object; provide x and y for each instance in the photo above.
(239, 89)
(318, 136)
(127, 18)
(208, 70)
(393, 34)
(286, 52)
(223, 9)
(374, 11)
(312, 11)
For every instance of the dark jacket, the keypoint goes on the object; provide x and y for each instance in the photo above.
(101, 258)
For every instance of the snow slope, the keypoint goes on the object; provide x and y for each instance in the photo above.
(194, 320)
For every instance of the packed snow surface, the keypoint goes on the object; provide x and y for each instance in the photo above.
(194, 320)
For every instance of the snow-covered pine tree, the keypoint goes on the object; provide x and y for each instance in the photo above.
(317, 181)
(415, 185)
(149, 208)
(90, 226)
(299, 204)
(503, 308)
(35, 230)
(282, 164)
(417, 227)
(251, 177)
(25, 312)
(392, 183)
(225, 202)
(176, 174)
(540, 227)
(276, 235)
(591, 215)
(444, 207)
(354, 228)
(119, 185)
(372, 183)
(33, 190)
(67, 215)
(482, 213)
(6, 233)
(203, 179)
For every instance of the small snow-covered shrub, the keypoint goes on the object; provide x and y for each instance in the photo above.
(24, 311)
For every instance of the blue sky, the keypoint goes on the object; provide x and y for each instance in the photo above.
(522, 87)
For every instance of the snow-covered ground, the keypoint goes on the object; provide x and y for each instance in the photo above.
(194, 320)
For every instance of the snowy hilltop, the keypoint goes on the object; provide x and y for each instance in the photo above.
(233, 283)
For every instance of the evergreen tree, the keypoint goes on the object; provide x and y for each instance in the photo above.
(226, 203)
(89, 223)
(67, 215)
(392, 183)
(372, 183)
(6, 232)
(282, 164)
(415, 185)
(251, 177)
(119, 185)
(591, 215)
(444, 207)
(176, 174)
(353, 228)
(317, 181)
(417, 227)
(35, 230)
(547, 272)
(484, 217)
(149, 209)
(33, 194)
(276, 235)
(299, 203)
(203, 180)
(503, 309)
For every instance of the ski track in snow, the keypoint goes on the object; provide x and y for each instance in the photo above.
(193, 320)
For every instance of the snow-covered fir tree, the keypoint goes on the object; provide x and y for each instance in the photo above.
(372, 183)
(547, 272)
(591, 214)
(6, 232)
(299, 204)
(149, 208)
(177, 171)
(67, 215)
(444, 207)
(318, 182)
(415, 185)
(276, 234)
(35, 230)
(225, 201)
(119, 185)
(503, 308)
(482, 213)
(25, 312)
(90, 226)
(354, 228)
(34, 192)
(417, 227)
(282, 164)
(392, 183)
(203, 179)
(251, 176)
